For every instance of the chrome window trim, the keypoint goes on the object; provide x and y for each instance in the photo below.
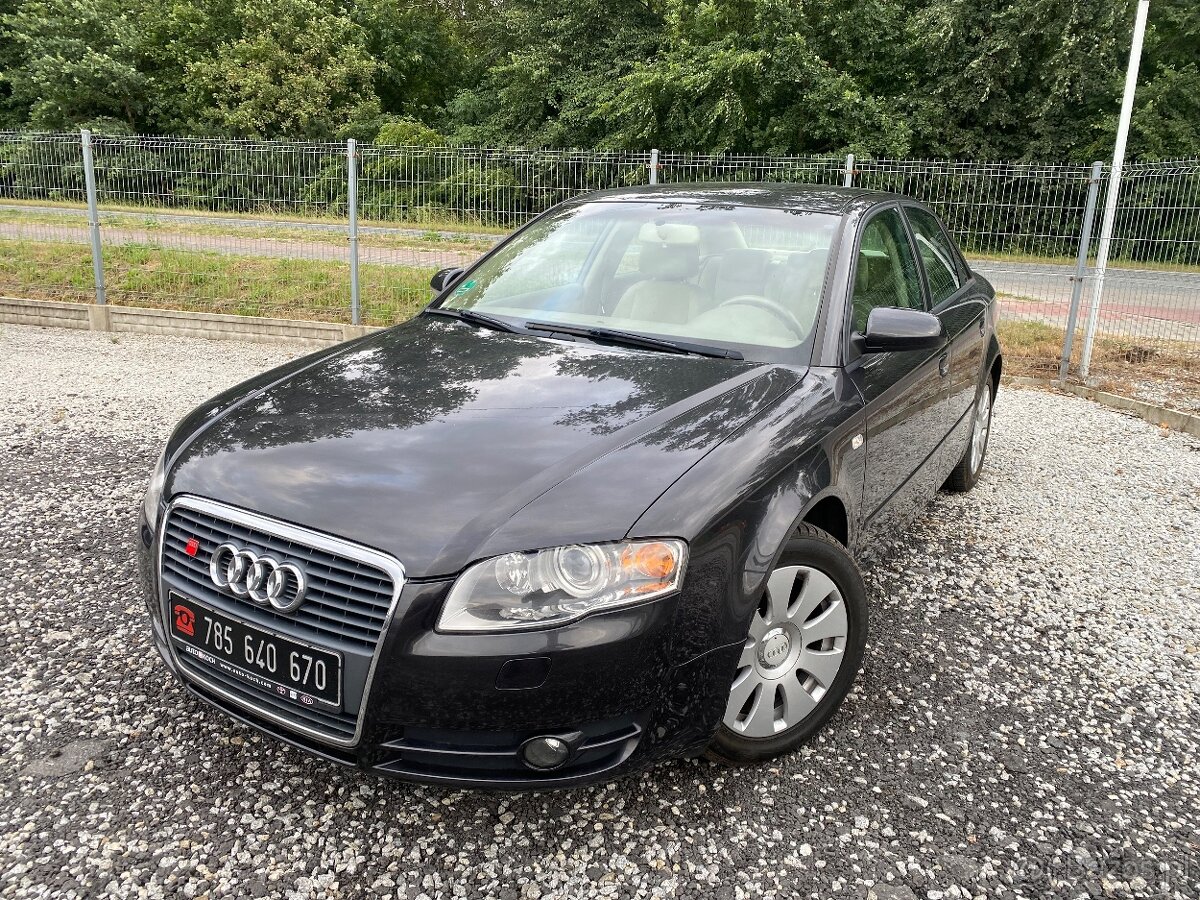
(319, 540)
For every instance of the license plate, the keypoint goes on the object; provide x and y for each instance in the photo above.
(289, 669)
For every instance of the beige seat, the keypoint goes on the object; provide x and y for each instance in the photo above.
(797, 286)
(668, 257)
(736, 273)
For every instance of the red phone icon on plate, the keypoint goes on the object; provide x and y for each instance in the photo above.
(185, 620)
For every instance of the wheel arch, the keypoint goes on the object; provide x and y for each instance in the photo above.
(740, 506)
(808, 493)
(829, 513)
(997, 366)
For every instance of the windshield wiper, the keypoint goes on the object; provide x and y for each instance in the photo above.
(633, 339)
(474, 318)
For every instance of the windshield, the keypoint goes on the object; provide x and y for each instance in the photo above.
(743, 278)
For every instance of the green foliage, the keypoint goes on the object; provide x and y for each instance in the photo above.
(976, 79)
(551, 71)
(298, 70)
(419, 53)
(757, 75)
(1166, 117)
(75, 60)
(408, 132)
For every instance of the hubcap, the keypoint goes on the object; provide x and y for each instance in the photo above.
(979, 434)
(792, 655)
(774, 649)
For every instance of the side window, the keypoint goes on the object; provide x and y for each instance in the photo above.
(886, 272)
(937, 254)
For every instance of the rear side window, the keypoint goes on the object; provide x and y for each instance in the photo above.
(937, 254)
(886, 270)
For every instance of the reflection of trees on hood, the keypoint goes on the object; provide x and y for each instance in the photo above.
(656, 382)
(405, 378)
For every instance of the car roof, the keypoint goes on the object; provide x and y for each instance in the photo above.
(820, 198)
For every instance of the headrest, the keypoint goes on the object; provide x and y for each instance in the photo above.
(669, 262)
(718, 237)
(745, 265)
(669, 233)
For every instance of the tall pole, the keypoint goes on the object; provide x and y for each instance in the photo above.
(89, 183)
(848, 172)
(1114, 182)
(352, 211)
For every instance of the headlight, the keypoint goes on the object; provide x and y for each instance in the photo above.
(154, 490)
(559, 585)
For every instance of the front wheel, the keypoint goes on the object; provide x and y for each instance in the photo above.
(805, 646)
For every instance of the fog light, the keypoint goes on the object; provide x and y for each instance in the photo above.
(545, 752)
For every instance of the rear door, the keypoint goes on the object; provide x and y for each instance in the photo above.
(961, 307)
(901, 390)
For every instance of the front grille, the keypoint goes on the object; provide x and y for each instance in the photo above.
(347, 601)
(347, 605)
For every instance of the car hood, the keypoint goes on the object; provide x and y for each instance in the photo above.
(440, 443)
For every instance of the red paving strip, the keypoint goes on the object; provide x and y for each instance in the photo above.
(1110, 311)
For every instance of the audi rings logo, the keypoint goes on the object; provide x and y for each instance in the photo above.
(263, 579)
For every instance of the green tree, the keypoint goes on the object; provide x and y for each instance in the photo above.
(746, 75)
(1166, 112)
(420, 54)
(298, 69)
(13, 113)
(549, 71)
(73, 62)
(170, 41)
(770, 76)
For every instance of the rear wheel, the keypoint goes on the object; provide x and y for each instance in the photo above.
(803, 650)
(966, 474)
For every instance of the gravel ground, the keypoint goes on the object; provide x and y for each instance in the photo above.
(1027, 724)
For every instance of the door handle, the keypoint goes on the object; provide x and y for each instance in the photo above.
(944, 365)
(981, 324)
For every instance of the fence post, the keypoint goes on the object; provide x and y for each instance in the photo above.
(848, 177)
(1085, 241)
(352, 211)
(654, 167)
(89, 181)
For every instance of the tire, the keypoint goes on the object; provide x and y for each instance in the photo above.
(966, 474)
(815, 591)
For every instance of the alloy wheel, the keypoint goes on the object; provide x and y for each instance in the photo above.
(794, 651)
(983, 422)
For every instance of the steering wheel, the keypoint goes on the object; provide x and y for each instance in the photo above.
(776, 309)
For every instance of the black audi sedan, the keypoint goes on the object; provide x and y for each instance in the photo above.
(597, 505)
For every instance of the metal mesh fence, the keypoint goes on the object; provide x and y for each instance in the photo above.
(262, 228)
(489, 188)
(679, 168)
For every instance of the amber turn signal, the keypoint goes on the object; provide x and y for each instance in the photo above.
(655, 560)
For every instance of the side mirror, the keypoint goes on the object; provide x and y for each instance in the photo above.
(891, 328)
(443, 278)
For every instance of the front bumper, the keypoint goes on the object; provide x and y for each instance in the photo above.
(456, 709)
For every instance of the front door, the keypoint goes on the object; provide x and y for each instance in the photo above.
(958, 302)
(901, 390)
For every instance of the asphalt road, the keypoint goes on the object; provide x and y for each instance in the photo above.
(1027, 723)
(235, 244)
(1136, 302)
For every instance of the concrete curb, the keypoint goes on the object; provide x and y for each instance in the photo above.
(1175, 419)
(89, 316)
